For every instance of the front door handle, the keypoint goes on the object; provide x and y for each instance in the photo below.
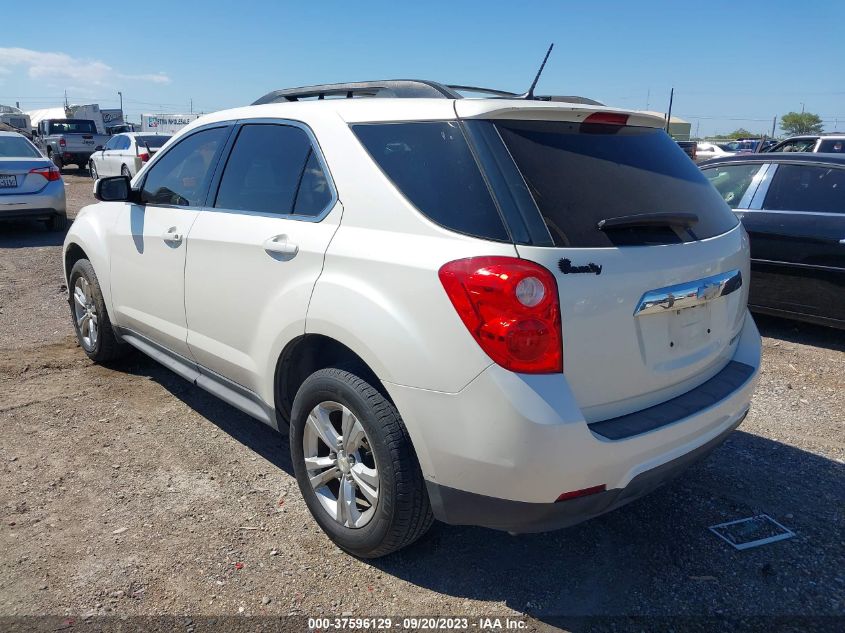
(842, 241)
(172, 236)
(280, 244)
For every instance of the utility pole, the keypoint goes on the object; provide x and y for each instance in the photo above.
(647, 98)
(192, 105)
(120, 94)
(774, 125)
(669, 115)
(802, 107)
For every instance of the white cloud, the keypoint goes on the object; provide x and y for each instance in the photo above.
(52, 66)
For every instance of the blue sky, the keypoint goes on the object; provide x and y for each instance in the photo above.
(732, 62)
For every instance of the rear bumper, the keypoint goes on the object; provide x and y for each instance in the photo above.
(501, 451)
(47, 202)
(459, 507)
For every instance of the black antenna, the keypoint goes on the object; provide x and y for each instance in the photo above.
(530, 93)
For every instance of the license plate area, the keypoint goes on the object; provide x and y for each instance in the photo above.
(689, 328)
(8, 181)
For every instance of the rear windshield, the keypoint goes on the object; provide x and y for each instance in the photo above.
(17, 147)
(73, 126)
(152, 141)
(580, 174)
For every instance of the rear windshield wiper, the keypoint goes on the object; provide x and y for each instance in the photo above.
(680, 220)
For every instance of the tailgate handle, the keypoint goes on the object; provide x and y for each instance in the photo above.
(689, 294)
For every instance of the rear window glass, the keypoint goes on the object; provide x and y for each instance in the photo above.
(153, 141)
(431, 164)
(71, 126)
(17, 147)
(580, 174)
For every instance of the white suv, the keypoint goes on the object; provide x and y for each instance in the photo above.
(511, 313)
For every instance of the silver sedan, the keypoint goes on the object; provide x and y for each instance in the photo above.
(30, 185)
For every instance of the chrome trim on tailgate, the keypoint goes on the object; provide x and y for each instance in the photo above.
(689, 294)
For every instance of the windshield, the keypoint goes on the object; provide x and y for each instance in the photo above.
(153, 141)
(73, 126)
(17, 147)
(580, 174)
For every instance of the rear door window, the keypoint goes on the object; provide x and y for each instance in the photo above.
(832, 146)
(806, 188)
(431, 164)
(580, 174)
(732, 181)
(273, 169)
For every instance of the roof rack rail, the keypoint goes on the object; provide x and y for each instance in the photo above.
(396, 88)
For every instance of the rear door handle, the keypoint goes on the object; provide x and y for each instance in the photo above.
(172, 236)
(280, 244)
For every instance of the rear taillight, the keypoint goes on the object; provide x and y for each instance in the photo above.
(607, 118)
(511, 308)
(62, 142)
(144, 156)
(50, 173)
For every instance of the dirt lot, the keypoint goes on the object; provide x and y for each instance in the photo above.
(126, 491)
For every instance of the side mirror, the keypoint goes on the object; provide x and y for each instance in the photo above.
(113, 189)
(99, 148)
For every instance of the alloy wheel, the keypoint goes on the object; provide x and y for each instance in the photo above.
(85, 313)
(340, 464)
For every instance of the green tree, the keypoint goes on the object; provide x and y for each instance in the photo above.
(740, 133)
(796, 123)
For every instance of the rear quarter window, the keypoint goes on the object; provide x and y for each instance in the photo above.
(431, 164)
(580, 174)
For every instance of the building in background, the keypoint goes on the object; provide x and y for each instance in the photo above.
(166, 123)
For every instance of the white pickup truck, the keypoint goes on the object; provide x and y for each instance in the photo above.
(68, 141)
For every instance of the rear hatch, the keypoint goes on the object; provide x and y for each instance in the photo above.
(651, 265)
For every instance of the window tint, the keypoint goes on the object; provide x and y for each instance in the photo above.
(73, 126)
(796, 145)
(807, 188)
(832, 146)
(154, 141)
(431, 164)
(122, 142)
(112, 143)
(314, 193)
(181, 175)
(580, 174)
(17, 147)
(265, 169)
(732, 181)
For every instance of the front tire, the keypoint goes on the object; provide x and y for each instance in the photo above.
(90, 319)
(356, 466)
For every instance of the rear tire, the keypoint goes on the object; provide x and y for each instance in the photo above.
(57, 223)
(92, 170)
(90, 319)
(401, 512)
(57, 161)
(124, 171)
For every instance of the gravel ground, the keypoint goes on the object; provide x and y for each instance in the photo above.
(126, 491)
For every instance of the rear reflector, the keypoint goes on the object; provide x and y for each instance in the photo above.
(607, 118)
(584, 492)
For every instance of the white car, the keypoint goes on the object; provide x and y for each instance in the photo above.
(503, 312)
(706, 151)
(125, 154)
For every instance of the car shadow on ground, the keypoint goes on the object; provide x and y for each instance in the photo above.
(257, 436)
(800, 332)
(28, 234)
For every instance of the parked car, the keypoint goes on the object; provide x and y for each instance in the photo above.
(445, 300)
(30, 185)
(820, 143)
(125, 154)
(793, 207)
(706, 151)
(68, 141)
